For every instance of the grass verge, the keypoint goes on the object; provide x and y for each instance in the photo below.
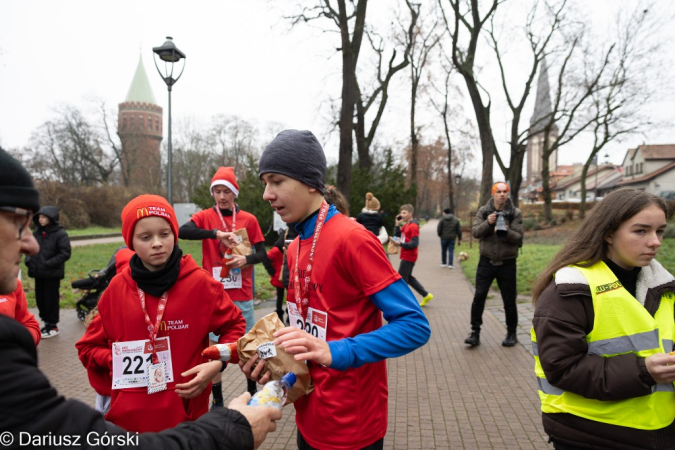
(534, 258)
(97, 256)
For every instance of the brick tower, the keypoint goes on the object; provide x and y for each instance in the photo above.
(139, 126)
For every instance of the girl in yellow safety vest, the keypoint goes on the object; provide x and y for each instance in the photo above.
(604, 326)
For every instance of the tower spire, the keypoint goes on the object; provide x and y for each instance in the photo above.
(542, 104)
(140, 90)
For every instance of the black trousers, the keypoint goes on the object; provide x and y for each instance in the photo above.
(303, 445)
(506, 280)
(405, 270)
(280, 303)
(47, 298)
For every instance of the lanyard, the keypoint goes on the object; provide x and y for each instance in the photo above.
(234, 217)
(153, 329)
(303, 304)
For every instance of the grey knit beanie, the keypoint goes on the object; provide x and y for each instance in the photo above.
(296, 154)
(16, 184)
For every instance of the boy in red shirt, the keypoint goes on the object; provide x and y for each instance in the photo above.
(157, 315)
(15, 306)
(214, 226)
(341, 285)
(408, 233)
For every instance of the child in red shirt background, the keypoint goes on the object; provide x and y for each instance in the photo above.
(408, 231)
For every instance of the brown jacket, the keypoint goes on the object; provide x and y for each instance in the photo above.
(496, 248)
(563, 317)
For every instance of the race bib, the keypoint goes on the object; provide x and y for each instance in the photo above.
(316, 324)
(131, 360)
(233, 280)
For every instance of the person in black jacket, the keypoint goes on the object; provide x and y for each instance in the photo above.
(31, 407)
(449, 230)
(48, 267)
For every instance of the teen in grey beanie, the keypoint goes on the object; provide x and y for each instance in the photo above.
(296, 154)
(16, 184)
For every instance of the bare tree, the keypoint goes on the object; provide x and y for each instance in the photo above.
(574, 91)
(618, 109)
(469, 20)
(365, 101)
(539, 46)
(421, 38)
(351, 24)
(72, 145)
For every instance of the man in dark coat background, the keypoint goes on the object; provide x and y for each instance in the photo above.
(449, 230)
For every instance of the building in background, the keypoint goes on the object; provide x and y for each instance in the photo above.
(140, 130)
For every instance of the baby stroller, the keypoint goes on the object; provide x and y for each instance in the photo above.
(93, 286)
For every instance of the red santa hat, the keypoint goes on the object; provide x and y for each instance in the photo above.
(225, 176)
(143, 206)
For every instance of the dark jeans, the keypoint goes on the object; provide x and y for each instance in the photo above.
(405, 270)
(47, 298)
(506, 280)
(280, 303)
(448, 248)
(303, 445)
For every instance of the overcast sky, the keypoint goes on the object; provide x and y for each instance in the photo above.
(240, 60)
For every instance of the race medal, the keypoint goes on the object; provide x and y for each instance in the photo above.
(156, 377)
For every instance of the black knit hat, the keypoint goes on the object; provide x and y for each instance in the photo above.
(296, 154)
(16, 184)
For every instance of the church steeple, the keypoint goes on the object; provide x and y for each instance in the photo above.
(140, 90)
(535, 143)
(542, 104)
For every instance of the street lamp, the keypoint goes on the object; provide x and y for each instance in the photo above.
(169, 53)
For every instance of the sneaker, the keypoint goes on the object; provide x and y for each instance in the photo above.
(216, 404)
(426, 299)
(443, 265)
(450, 267)
(49, 332)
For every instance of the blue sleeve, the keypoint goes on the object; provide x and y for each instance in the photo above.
(407, 329)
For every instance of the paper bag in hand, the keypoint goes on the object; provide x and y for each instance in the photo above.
(392, 249)
(259, 341)
(244, 247)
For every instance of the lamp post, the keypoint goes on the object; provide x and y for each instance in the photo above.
(458, 178)
(169, 53)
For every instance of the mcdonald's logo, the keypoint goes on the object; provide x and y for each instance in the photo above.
(142, 212)
(162, 326)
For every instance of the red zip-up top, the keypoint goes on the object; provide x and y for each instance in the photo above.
(212, 253)
(408, 232)
(15, 306)
(276, 257)
(197, 305)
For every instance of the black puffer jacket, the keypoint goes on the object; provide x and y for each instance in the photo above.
(54, 417)
(54, 243)
(371, 220)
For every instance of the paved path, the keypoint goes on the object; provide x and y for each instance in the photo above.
(443, 396)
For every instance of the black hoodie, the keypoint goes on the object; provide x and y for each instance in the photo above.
(54, 243)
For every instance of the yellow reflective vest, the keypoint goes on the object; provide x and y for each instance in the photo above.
(622, 325)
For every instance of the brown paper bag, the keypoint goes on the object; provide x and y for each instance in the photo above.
(392, 248)
(244, 247)
(279, 365)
